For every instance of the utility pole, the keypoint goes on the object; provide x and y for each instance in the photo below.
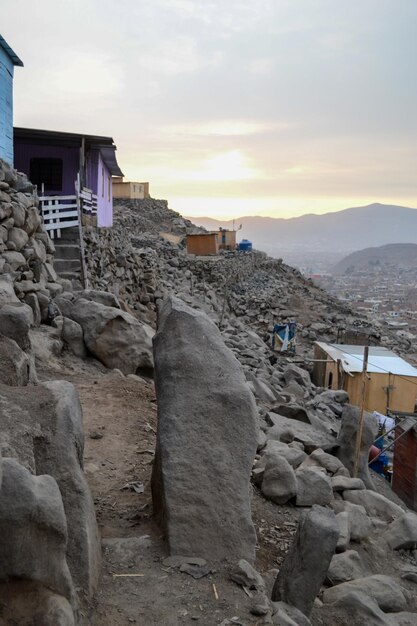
(362, 408)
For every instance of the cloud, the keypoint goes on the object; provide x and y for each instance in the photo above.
(282, 99)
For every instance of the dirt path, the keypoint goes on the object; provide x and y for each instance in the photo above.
(120, 427)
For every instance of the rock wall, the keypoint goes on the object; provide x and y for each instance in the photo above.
(26, 250)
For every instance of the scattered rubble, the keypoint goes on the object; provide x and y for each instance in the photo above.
(227, 404)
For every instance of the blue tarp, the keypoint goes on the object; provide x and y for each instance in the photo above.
(283, 338)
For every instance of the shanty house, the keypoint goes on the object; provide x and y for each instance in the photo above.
(404, 478)
(8, 61)
(203, 244)
(391, 382)
(67, 168)
(124, 190)
(227, 239)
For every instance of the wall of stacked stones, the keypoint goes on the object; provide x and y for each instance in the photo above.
(26, 250)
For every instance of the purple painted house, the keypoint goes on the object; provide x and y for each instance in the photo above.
(55, 161)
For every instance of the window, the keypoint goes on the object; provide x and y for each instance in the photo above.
(109, 188)
(46, 171)
(330, 383)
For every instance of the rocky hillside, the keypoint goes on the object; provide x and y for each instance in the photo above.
(383, 258)
(224, 493)
(144, 257)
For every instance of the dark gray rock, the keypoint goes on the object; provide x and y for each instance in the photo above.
(16, 368)
(102, 297)
(344, 531)
(313, 487)
(245, 574)
(7, 293)
(206, 439)
(401, 534)
(305, 566)
(346, 566)
(15, 322)
(33, 520)
(341, 483)
(293, 372)
(73, 336)
(375, 504)
(114, 337)
(287, 615)
(42, 428)
(384, 590)
(279, 482)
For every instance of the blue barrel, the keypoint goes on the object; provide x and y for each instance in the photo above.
(245, 245)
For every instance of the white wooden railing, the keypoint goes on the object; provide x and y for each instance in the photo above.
(61, 212)
(88, 202)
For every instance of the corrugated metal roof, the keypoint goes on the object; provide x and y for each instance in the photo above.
(380, 360)
(11, 54)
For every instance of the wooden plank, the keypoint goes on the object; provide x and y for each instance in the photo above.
(56, 198)
(58, 207)
(58, 217)
(59, 225)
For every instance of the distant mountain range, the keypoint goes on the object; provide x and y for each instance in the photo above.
(398, 255)
(336, 233)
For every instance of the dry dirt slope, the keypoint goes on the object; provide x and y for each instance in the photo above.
(120, 425)
(136, 587)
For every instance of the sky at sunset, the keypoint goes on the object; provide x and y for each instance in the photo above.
(230, 108)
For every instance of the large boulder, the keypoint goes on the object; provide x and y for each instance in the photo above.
(32, 519)
(206, 440)
(375, 504)
(384, 590)
(73, 336)
(279, 483)
(313, 487)
(294, 456)
(347, 441)
(16, 367)
(101, 297)
(346, 566)
(360, 524)
(305, 566)
(42, 427)
(356, 607)
(29, 603)
(114, 337)
(401, 534)
(7, 293)
(15, 322)
(300, 376)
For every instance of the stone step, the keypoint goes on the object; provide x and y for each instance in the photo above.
(67, 251)
(70, 275)
(66, 265)
(68, 234)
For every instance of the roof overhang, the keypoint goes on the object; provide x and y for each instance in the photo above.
(10, 53)
(105, 145)
(380, 359)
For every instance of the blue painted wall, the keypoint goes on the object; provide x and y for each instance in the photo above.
(6, 107)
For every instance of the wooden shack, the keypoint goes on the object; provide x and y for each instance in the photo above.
(227, 239)
(404, 478)
(203, 244)
(391, 381)
(127, 190)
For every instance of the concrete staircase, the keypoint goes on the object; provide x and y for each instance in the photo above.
(67, 262)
